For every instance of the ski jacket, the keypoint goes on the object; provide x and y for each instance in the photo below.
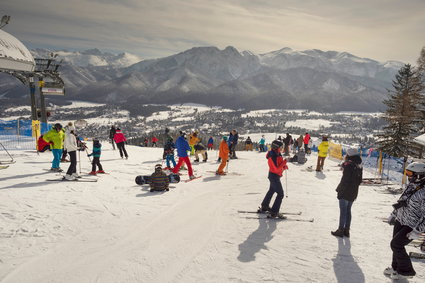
(119, 137)
(248, 141)
(55, 138)
(262, 141)
(182, 146)
(112, 132)
(288, 140)
(154, 139)
(323, 149)
(223, 151)
(300, 140)
(306, 138)
(412, 214)
(276, 163)
(352, 175)
(211, 141)
(235, 139)
(169, 147)
(70, 142)
(193, 139)
(97, 150)
(159, 181)
(199, 147)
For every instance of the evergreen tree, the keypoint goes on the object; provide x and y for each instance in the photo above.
(421, 81)
(402, 113)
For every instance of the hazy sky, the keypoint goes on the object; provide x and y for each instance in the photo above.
(377, 29)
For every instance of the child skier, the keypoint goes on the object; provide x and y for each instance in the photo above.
(276, 167)
(159, 181)
(223, 155)
(96, 158)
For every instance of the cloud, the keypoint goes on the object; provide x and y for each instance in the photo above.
(160, 28)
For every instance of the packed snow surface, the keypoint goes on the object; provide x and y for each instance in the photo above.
(116, 231)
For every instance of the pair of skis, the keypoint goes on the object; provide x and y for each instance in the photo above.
(284, 214)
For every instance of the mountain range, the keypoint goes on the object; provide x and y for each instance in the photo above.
(311, 79)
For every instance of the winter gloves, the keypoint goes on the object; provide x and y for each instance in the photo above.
(415, 234)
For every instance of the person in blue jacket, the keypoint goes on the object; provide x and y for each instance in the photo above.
(183, 147)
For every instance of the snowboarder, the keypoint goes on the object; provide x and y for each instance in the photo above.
(96, 158)
(70, 144)
(322, 153)
(182, 148)
(347, 190)
(210, 143)
(112, 132)
(223, 154)
(276, 167)
(299, 157)
(200, 149)
(248, 144)
(159, 181)
(169, 153)
(55, 138)
(120, 140)
(408, 219)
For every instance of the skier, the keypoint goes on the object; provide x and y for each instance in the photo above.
(96, 157)
(347, 190)
(120, 140)
(112, 132)
(159, 181)
(70, 144)
(262, 143)
(223, 154)
(306, 142)
(169, 153)
(276, 167)
(200, 149)
(210, 143)
(233, 142)
(182, 148)
(55, 138)
(408, 219)
(154, 141)
(248, 144)
(145, 142)
(322, 153)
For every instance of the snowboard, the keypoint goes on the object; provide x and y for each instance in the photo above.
(188, 180)
(145, 179)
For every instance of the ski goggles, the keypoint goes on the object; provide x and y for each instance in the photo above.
(408, 173)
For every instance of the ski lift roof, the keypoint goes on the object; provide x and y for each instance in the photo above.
(14, 56)
(420, 139)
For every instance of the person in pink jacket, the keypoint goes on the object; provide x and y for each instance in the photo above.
(120, 140)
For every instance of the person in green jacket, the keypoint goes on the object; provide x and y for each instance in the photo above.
(55, 138)
(322, 153)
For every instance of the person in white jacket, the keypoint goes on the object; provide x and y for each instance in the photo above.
(408, 219)
(70, 144)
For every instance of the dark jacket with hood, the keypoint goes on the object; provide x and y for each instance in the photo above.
(352, 175)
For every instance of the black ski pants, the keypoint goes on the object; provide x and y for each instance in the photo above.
(96, 161)
(73, 166)
(401, 260)
(121, 147)
(275, 187)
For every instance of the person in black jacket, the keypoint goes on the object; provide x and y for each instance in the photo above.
(234, 136)
(112, 132)
(348, 189)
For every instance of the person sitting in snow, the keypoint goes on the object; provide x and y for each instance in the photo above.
(96, 158)
(159, 181)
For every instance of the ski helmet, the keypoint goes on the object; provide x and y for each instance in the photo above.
(158, 167)
(58, 126)
(416, 168)
(276, 144)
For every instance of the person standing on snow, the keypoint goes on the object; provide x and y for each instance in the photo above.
(70, 144)
(182, 148)
(347, 190)
(408, 219)
(287, 141)
(261, 143)
(276, 167)
(306, 142)
(112, 132)
(96, 158)
(210, 143)
(233, 144)
(169, 153)
(55, 138)
(223, 154)
(322, 153)
(120, 140)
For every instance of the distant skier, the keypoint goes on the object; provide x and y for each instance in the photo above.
(55, 137)
(97, 151)
(120, 139)
(347, 190)
(233, 143)
(159, 181)
(276, 167)
(262, 143)
(112, 132)
(182, 148)
(146, 142)
(154, 141)
(223, 154)
(70, 144)
(322, 153)
(408, 219)
(210, 143)
(248, 144)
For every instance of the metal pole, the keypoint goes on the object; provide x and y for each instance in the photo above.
(33, 101)
(42, 102)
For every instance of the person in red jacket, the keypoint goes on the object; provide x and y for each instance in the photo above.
(120, 140)
(276, 167)
(306, 141)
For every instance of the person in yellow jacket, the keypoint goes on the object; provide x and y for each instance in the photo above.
(223, 153)
(55, 138)
(322, 153)
(193, 139)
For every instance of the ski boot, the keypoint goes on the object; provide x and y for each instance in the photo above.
(276, 215)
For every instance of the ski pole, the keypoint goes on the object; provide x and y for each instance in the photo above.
(79, 160)
(227, 166)
(286, 182)
(88, 154)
